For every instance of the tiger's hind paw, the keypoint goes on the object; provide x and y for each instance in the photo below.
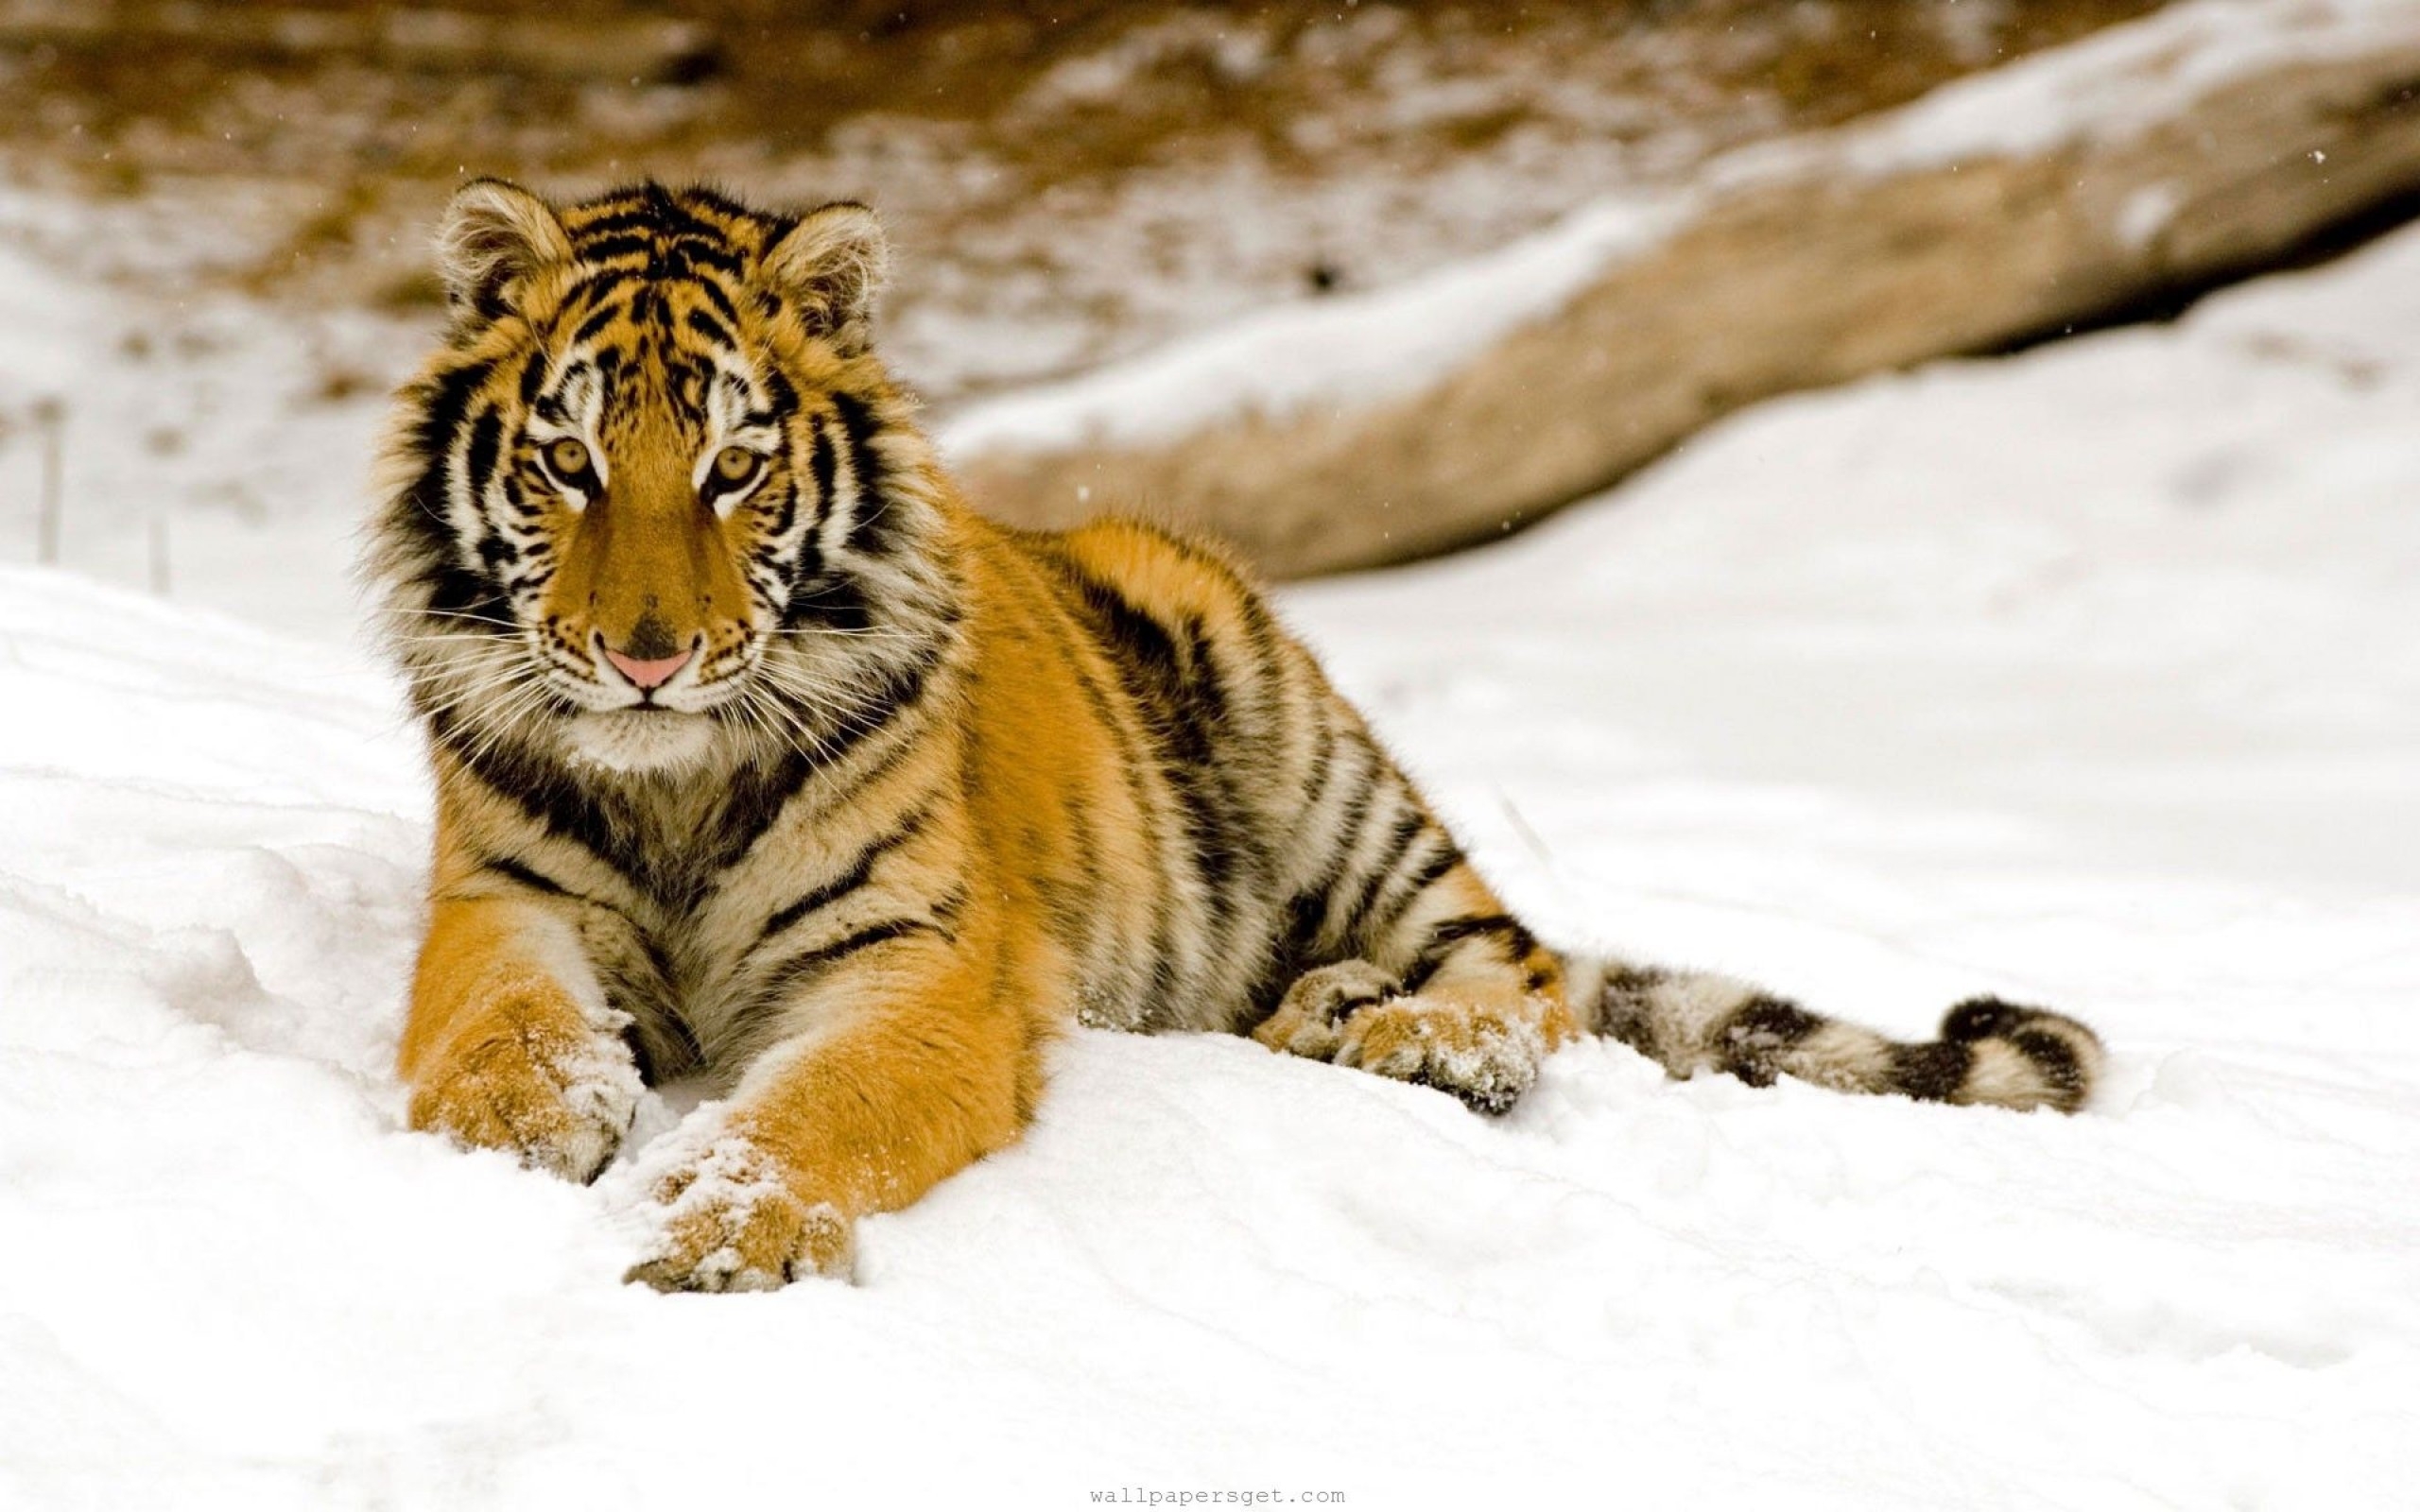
(1353, 1013)
(1310, 1021)
(1486, 1057)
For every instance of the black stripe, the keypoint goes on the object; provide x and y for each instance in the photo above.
(900, 690)
(859, 871)
(635, 217)
(478, 458)
(808, 965)
(756, 798)
(1294, 952)
(782, 392)
(1930, 1073)
(877, 526)
(2052, 1057)
(1143, 659)
(1408, 827)
(1505, 925)
(704, 322)
(1395, 902)
(1773, 1020)
(867, 780)
(605, 248)
(527, 877)
(1223, 844)
(598, 318)
(1442, 941)
(1626, 1005)
(1323, 765)
(517, 497)
(1346, 837)
(712, 291)
(534, 376)
(1755, 1034)
(837, 600)
(1070, 589)
(607, 286)
(497, 555)
(677, 877)
(1632, 983)
(1982, 1019)
(565, 807)
(1173, 680)
(642, 987)
(421, 512)
(688, 253)
(821, 467)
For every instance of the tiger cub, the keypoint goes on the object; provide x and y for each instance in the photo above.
(761, 757)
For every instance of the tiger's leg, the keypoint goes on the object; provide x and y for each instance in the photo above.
(1451, 993)
(510, 1043)
(889, 1072)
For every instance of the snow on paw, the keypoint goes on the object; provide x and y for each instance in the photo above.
(1484, 1054)
(1311, 1020)
(560, 1098)
(719, 1217)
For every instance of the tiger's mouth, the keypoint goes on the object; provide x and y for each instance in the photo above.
(649, 737)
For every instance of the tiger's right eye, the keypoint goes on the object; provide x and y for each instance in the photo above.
(568, 458)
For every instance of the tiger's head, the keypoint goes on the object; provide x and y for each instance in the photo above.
(655, 491)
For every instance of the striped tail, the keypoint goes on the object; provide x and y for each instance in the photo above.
(1996, 1053)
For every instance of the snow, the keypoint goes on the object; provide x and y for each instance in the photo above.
(2087, 677)
(1359, 348)
(1293, 358)
(205, 417)
(2124, 78)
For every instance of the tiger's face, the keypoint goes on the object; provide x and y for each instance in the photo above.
(646, 474)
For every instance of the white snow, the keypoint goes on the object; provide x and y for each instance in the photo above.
(2088, 676)
(1345, 347)
(206, 418)
(1360, 348)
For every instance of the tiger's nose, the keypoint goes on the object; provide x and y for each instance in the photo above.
(647, 674)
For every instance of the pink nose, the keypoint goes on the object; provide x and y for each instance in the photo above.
(648, 676)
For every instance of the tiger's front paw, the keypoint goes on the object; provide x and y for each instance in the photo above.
(723, 1218)
(560, 1097)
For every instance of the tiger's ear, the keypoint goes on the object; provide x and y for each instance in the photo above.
(495, 233)
(832, 264)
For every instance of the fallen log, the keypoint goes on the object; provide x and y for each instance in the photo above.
(2203, 142)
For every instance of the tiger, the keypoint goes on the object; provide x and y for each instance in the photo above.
(763, 760)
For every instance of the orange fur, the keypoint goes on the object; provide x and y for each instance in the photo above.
(494, 1041)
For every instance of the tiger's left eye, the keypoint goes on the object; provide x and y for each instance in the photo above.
(567, 457)
(735, 465)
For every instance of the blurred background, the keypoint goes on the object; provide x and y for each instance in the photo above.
(1355, 283)
(1068, 181)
